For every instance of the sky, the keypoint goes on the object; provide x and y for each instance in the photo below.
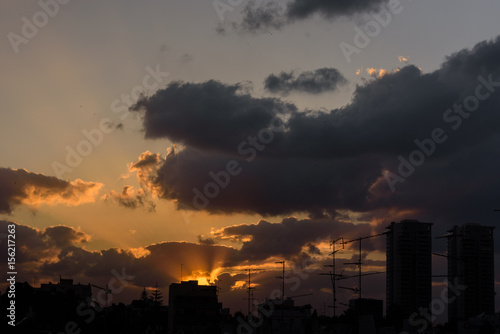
(223, 135)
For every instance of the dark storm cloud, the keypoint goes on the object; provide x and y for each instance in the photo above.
(336, 160)
(385, 115)
(35, 246)
(19, 186)
(276, 14)
(216, 115)
(264, 186)
(312, 82)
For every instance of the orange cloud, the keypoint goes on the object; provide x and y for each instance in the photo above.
(20, 186)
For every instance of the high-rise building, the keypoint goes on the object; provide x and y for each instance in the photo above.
(193, 308)
(470, 265)
(408, 283)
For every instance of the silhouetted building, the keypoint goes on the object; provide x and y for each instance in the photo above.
(276, 316)
(471, 264)
(193, 308)
(66, 287)
(368, 307)
(408, 284)
(367, 315)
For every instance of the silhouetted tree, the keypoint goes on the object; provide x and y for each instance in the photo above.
(144, 295)
(157, 295)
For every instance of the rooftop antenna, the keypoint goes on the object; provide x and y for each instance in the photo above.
(106, 291)
(182, 264)
(250, 292)
(283, 279)
(333, 275)
(282, 294)
(359, 262)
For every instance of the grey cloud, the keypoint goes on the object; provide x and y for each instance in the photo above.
(218, 116)
(261, 19)
(301, 9)
(275, 15)
(312, 82)
(266, 186)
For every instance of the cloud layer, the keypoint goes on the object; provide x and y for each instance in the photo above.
(61, 250)
(288, 238)
(338, 160)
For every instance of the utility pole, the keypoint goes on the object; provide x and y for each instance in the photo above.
(333, 277)
(250, 292)
(282, 295)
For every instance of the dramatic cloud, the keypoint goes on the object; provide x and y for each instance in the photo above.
(37, 246)
(339, 160)
(59, 250)
(22, 187)
(216, 115)
(313, 82)
(287, 239)
(264, 186)
(274, 15)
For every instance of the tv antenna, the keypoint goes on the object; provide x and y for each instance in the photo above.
(359, 263)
